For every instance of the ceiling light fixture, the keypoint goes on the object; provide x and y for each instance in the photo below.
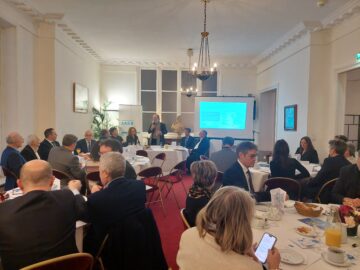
(190, 90)
(202, 69)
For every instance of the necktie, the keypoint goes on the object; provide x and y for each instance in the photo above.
(53, 143)
(89, 146)
(251, 187)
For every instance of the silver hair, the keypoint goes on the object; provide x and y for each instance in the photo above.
(113, 163)
(31, 138)
(11, 137)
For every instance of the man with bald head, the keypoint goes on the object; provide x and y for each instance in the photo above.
(11, 158)
(39, 225)
(85, 145)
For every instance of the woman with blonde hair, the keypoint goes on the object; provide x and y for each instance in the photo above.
(204, 173)
(223, 236)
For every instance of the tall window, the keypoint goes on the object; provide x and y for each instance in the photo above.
(168, 97)
(187, 103)
(148, 96)
(209, 86)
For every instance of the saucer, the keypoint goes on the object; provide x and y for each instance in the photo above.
(346, 263)
(290, 256)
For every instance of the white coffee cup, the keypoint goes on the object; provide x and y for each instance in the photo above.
(336, 255)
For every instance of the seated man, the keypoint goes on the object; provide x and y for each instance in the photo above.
(201, 148)
(114, 134)
(111, 145)
(30, 151)
(85, 145)
(48, 143)
(12, 159)
(119, 199)
(188, 141)
(62, 159)
(350, 153)
(226, 157)
(239, 174)
(94, 154)
(39, 225)
(329, 170)
(347, 188)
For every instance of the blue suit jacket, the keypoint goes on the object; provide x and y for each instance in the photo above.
(82, 145)
(13, 161)
(190, 144)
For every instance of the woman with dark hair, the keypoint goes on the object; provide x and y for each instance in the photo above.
(204, 173)
(284, 166)
(307, 150)
(132, 138)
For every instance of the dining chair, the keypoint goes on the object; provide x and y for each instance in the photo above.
(94, 177)
(324, 194)
(159, 160)
(291, 186)
(76, 261)
(142, 153)
(175, 176)
(183, 218)
(151, 176)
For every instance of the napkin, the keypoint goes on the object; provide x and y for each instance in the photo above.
(278, 199)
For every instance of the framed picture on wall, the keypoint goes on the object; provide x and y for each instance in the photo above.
(81, 98)
(290, 117)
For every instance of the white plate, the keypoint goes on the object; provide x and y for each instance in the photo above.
(310, 234)
(290, 256)
(346, 263)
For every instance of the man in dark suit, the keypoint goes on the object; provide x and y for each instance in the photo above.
(188, 141)
(118, 199)
(39, 225)
(30, 151)
(62, 159)
(94, 154)
(201, 148)
(157, 130)
(111, 145)
(239, 174)
(114, 134)
(347, 188)
(85, 145)
(48, 143)
(11, 158)
(329, 170)
(226, 157)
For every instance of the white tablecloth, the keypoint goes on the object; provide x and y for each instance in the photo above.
(284, 230)
(174, 155)
(261, 173)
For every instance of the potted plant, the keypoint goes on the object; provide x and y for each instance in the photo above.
(351, 217)
(100, 119)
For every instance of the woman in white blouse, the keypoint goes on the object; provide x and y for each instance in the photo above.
(223, 236)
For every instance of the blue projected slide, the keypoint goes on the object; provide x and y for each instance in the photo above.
(222, 115)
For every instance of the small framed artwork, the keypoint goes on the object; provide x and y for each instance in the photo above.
(81, 98)
(290, 117)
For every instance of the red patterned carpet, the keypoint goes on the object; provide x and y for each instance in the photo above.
(171, 226)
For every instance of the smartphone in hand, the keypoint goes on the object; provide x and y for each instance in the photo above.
(267, 242)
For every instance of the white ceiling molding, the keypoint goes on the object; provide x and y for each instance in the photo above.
(303, 28)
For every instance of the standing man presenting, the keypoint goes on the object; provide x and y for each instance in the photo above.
(157, 131)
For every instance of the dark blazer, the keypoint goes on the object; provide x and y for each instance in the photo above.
(13, 161)
(190, 143)
(28, 153)
(117, 201)
(118, 138)
(83, 146)
(163, 131)
(130, 140)
(96, 148)
(311, 155)
(329, 170)
(348, 184)
(45, 147)
(289, 171)
(37, 226)
(203, 149)
(235, 176)
(192, 208)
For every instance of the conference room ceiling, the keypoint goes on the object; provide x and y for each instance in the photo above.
(162, 30)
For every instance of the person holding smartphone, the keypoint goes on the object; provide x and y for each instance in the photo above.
(223, 237)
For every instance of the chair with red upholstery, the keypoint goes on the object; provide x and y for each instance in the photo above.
(142, 153)
(159, 160)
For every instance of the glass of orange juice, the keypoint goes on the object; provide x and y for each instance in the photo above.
(78, 150)
(333, 236)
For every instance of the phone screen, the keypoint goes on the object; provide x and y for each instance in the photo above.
(267, 242)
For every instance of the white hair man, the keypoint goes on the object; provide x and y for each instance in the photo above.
(85, 145)
(30, 151)
(11, 159)
(117, 199)
(40, 224)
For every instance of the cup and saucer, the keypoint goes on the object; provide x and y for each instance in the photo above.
(260, 223)
(336, 256)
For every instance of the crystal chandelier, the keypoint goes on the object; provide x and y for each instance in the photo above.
(202, 70)
(190, 90)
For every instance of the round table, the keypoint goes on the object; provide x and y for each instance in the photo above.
(284, 230)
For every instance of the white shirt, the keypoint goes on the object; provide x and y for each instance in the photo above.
(197, 145)
(245, 170)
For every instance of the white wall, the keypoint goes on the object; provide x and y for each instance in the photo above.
(352, 97)
(73, 65)
(237, 82)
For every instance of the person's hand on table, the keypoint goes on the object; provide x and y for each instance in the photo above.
(74, 185)
(273, 259)
(95, 188)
